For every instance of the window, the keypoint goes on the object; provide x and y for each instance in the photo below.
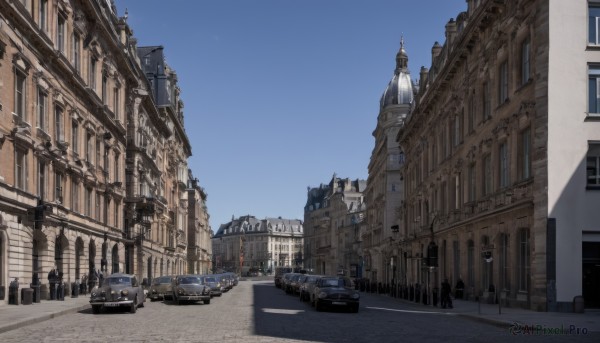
(593, 164)
(88, 201)
(60, 33)
(116, 102)
(117, 171)
(74, 196)
(76, 53)
(457, 191)
(487, 175)
(503, 82)
(98, 151)
(58, 187)
(116, 214)
(594, 21)
(106, 208)
(98, 203)
(104, 90)
(58, 124)
(41, 180)
(487, 107)
(106, 161)
(471, 263)
(471, 115)
(472, 183)
(503, 156)
(44, 15)
(594, 88)
(20, 87)
(42, 109)
(525, 154)
(92, 73)
(21, 169)
(525, 61)
(523, 258)
(504, 271)
(75, 136)
(457, 133)
(89, 146)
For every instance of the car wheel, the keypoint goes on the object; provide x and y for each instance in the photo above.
(133, 308)
(96, 309)
(143, 301)
(206, 302)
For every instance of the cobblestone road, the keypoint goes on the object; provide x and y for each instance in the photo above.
(256, 311)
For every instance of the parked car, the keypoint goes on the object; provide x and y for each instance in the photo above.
(215, 286)
(118, 290)
(161, 288)
(285, 281)
(294, 285)
(279, 272)
(190, 287)
(335, 291)
(225, 281)
(307, 283)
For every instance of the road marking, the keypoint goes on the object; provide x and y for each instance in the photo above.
(281, 311)
(410, 311)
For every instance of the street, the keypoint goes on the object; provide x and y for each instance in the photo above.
(256, 311)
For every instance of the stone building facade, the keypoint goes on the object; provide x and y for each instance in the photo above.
(199, 233)
(250, 244)
(385, 185)
(502, 156)
(83, 141)
(333, 222)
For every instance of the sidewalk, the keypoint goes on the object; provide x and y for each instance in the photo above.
(516, 318)
(17, 316)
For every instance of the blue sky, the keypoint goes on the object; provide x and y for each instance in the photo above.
(280, 94)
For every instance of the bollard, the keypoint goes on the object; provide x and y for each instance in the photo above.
(36, 292)
(26, 296)
(74, 290)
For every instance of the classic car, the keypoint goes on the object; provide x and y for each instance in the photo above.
(216, 289)
(190, 288)
(118, 290)
(335, 291)
(161, 288)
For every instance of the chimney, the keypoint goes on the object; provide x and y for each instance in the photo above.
(423, 77)
(450, 32)
(435, 52)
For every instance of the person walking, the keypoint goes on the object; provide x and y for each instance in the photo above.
(446, 300)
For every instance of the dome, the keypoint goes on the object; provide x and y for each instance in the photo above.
(400, 89)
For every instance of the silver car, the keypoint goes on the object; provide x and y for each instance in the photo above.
(216, 289)
(190, 287)
(118, 290)
(161, 288)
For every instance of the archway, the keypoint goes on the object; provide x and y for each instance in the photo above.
(91, 257)
(61, 244)
(115, 259)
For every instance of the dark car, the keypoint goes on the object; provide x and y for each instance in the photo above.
(215, 285)
(190, 288)
(118, 290)
(279, 272)
(294, 285)
(335, 291)
(161, 288)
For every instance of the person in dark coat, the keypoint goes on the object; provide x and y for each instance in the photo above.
(52, 282)
(460, 288)
(446, 300)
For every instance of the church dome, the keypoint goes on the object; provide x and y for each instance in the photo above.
(400, 89)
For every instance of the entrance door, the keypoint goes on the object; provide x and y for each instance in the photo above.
(591, 274)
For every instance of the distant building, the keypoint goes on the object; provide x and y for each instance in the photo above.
(333, 220)
(248, 243)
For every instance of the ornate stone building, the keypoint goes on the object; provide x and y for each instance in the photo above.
(199, 233)
(94, 172)
(247, 243)
(385, 186)
(333, 222)
(501, 148)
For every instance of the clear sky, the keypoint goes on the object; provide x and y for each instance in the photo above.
(281, 94)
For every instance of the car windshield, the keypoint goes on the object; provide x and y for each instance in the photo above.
(210, 279)
(188, 280)
(162, 280)
(332, 283)
(117, 281)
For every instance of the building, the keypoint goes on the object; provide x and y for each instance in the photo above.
(248, 243)
(333, 222)
(385, 185)
(502, 154)
(90, 178)
(199, 233)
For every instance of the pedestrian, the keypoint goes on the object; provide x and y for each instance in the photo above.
(446, 300)
(460, 288)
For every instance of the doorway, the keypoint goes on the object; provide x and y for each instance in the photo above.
(591, 274)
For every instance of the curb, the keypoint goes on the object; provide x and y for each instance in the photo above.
(490, 321)
(41, 318)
